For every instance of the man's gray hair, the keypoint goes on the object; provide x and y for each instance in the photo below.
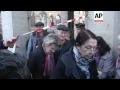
(51, 39)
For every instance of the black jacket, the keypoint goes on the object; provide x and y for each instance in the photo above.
(62, 49)
(67, 69)
(9, 65)
(36, 63)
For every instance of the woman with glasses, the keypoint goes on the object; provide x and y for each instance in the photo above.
(41, 62)
(104, 60)
(78, 62)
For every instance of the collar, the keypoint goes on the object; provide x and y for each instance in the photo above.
(62, 42)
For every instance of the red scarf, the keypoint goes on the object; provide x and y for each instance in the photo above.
(49, 65)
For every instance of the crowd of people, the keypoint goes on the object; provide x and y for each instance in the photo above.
(53, 55)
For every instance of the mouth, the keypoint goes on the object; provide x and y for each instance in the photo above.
(88, 57)
(62, 38)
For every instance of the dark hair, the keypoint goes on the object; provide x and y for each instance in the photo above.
(39, 24)
(103, 47)
(80, 25)
(83, 36)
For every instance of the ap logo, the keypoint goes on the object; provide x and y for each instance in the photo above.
(98, 16)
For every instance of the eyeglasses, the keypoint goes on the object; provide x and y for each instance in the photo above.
(90, 48)
(53, 49)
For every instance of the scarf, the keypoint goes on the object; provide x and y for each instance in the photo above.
(49, 66)
(81, 62)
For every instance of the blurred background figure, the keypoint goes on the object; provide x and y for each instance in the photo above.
(104, 60)
(117, 75)
(35, 39)
(79, 27)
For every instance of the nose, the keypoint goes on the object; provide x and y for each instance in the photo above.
(63, 34)
(92, 52)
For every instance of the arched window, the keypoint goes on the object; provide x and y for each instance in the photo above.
(58, 19)
(43, 18)
(32, 18)
(52, 20)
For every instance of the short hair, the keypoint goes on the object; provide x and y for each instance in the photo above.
(39, 24)
(51, 39)
(83, 36)
(62, 27)
(103, 47)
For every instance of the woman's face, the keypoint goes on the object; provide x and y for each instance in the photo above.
(50, 49)
(88, 49)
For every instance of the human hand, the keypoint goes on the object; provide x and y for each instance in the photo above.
(11, 43)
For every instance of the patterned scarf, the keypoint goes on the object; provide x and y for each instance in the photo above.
(82, 63)
(49, 66)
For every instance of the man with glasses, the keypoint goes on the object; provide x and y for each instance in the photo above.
(41, 62)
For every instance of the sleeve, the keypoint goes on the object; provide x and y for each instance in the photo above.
(59, 71)
(93, 70)
(2, 46)
(70, 45)
(32, 63)
(30, 45)
(108, 68)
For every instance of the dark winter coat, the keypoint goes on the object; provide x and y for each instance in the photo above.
(66, 68)
(62, 49)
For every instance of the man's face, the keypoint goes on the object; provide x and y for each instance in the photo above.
(50, 49)
(61, 34)
(78, 28)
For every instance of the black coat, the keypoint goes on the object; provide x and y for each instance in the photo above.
(62, 49)
(66, 68)
(36, 63)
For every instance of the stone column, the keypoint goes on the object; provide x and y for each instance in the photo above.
(64, 16)
(109, 29)
(15, 23)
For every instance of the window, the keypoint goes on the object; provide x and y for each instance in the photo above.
(58, 19)
(43, 18)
